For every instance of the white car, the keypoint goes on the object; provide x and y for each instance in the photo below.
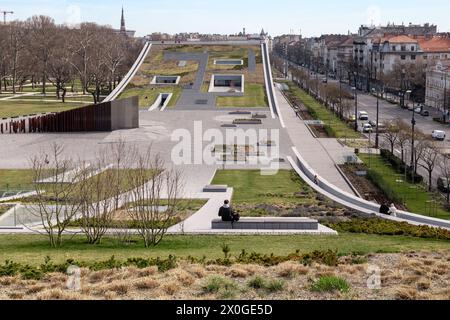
(367, 128)
(363, 115)
(438, 135)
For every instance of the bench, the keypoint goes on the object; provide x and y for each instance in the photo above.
(267, 224)
(215, 188)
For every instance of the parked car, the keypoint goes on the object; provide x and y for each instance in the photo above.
(443, 184)
(381, 126)
(363, 115)
(425, 113)
(418, 110)
(438, 135)
(367, 128)
(352, 118)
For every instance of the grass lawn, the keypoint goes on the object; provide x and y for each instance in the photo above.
(414, 196)
(250, 187)
(32, 249)
(152, 94)
(16, 179)
(339, 128)
(255, 96)
(11, 108)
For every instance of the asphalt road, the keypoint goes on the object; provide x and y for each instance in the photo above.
(389, 112)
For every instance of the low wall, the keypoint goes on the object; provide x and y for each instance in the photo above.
(334, 193)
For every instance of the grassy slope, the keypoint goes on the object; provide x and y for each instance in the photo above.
(255, 96)
(415, 199)
(152, 94)
(16, 179)
(11, 108)
(327, 116)
(253, 188)
(33, 249)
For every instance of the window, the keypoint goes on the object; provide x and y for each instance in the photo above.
(413, 48)
(403, 48)
(413, 57)
(403, 57)
(425, 57)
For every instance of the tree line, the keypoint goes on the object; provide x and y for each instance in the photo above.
(39, 52)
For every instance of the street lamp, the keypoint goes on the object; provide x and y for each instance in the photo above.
(413, 126)
(377, 135)
(356, 108)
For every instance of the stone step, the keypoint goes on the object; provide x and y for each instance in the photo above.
(267, 224)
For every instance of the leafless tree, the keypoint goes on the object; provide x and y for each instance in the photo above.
(403, 137)
(153, 187)
(60, 69)
(97, 202)
(429, 159)
(56, 199)
(42, 30)
(391, 134)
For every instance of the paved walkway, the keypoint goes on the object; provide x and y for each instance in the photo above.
(321, 154)
(19, 95)
(251, 61)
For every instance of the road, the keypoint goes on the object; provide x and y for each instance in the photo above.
(389, 112)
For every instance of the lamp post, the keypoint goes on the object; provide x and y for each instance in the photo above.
(377, 132)
(356, 108)
(413, 126)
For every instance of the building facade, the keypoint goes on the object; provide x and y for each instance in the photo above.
(438, 86)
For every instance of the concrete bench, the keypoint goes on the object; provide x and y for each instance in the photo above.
(267, 224)
(215, 188)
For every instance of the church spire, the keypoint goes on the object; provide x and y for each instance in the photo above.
(122, 22)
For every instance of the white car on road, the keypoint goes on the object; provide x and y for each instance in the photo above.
(438, 135)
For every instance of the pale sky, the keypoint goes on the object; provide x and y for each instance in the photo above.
(227, 17)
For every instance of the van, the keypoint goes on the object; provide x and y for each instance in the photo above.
(444, 184)
(363, 115)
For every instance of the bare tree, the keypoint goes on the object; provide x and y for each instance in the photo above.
(391, 134)
(42, 30)
(154, 188)
(403, 137)
(57, 198)
(60, 68)
(429, 157)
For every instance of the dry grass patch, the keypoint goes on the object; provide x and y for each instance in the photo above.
(146, 284)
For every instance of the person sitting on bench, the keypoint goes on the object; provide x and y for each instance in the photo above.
(227, 213)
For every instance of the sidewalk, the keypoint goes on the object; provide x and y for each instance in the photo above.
(321, 154)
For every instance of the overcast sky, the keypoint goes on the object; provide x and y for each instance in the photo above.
(226, 17)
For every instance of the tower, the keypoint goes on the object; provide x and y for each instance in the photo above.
(122, 23)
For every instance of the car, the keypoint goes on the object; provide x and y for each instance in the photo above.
(352, 118)
(444, 184)
(367, 128)
(381, 126)
(363, 115)
(425, 113)
(438, 135)
(418, 110)
(410, 108)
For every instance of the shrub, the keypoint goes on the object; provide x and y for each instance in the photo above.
(330, 284)
(257, 283)
(217, 284)
(329, 258)
(275, 286)
(380, 226)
